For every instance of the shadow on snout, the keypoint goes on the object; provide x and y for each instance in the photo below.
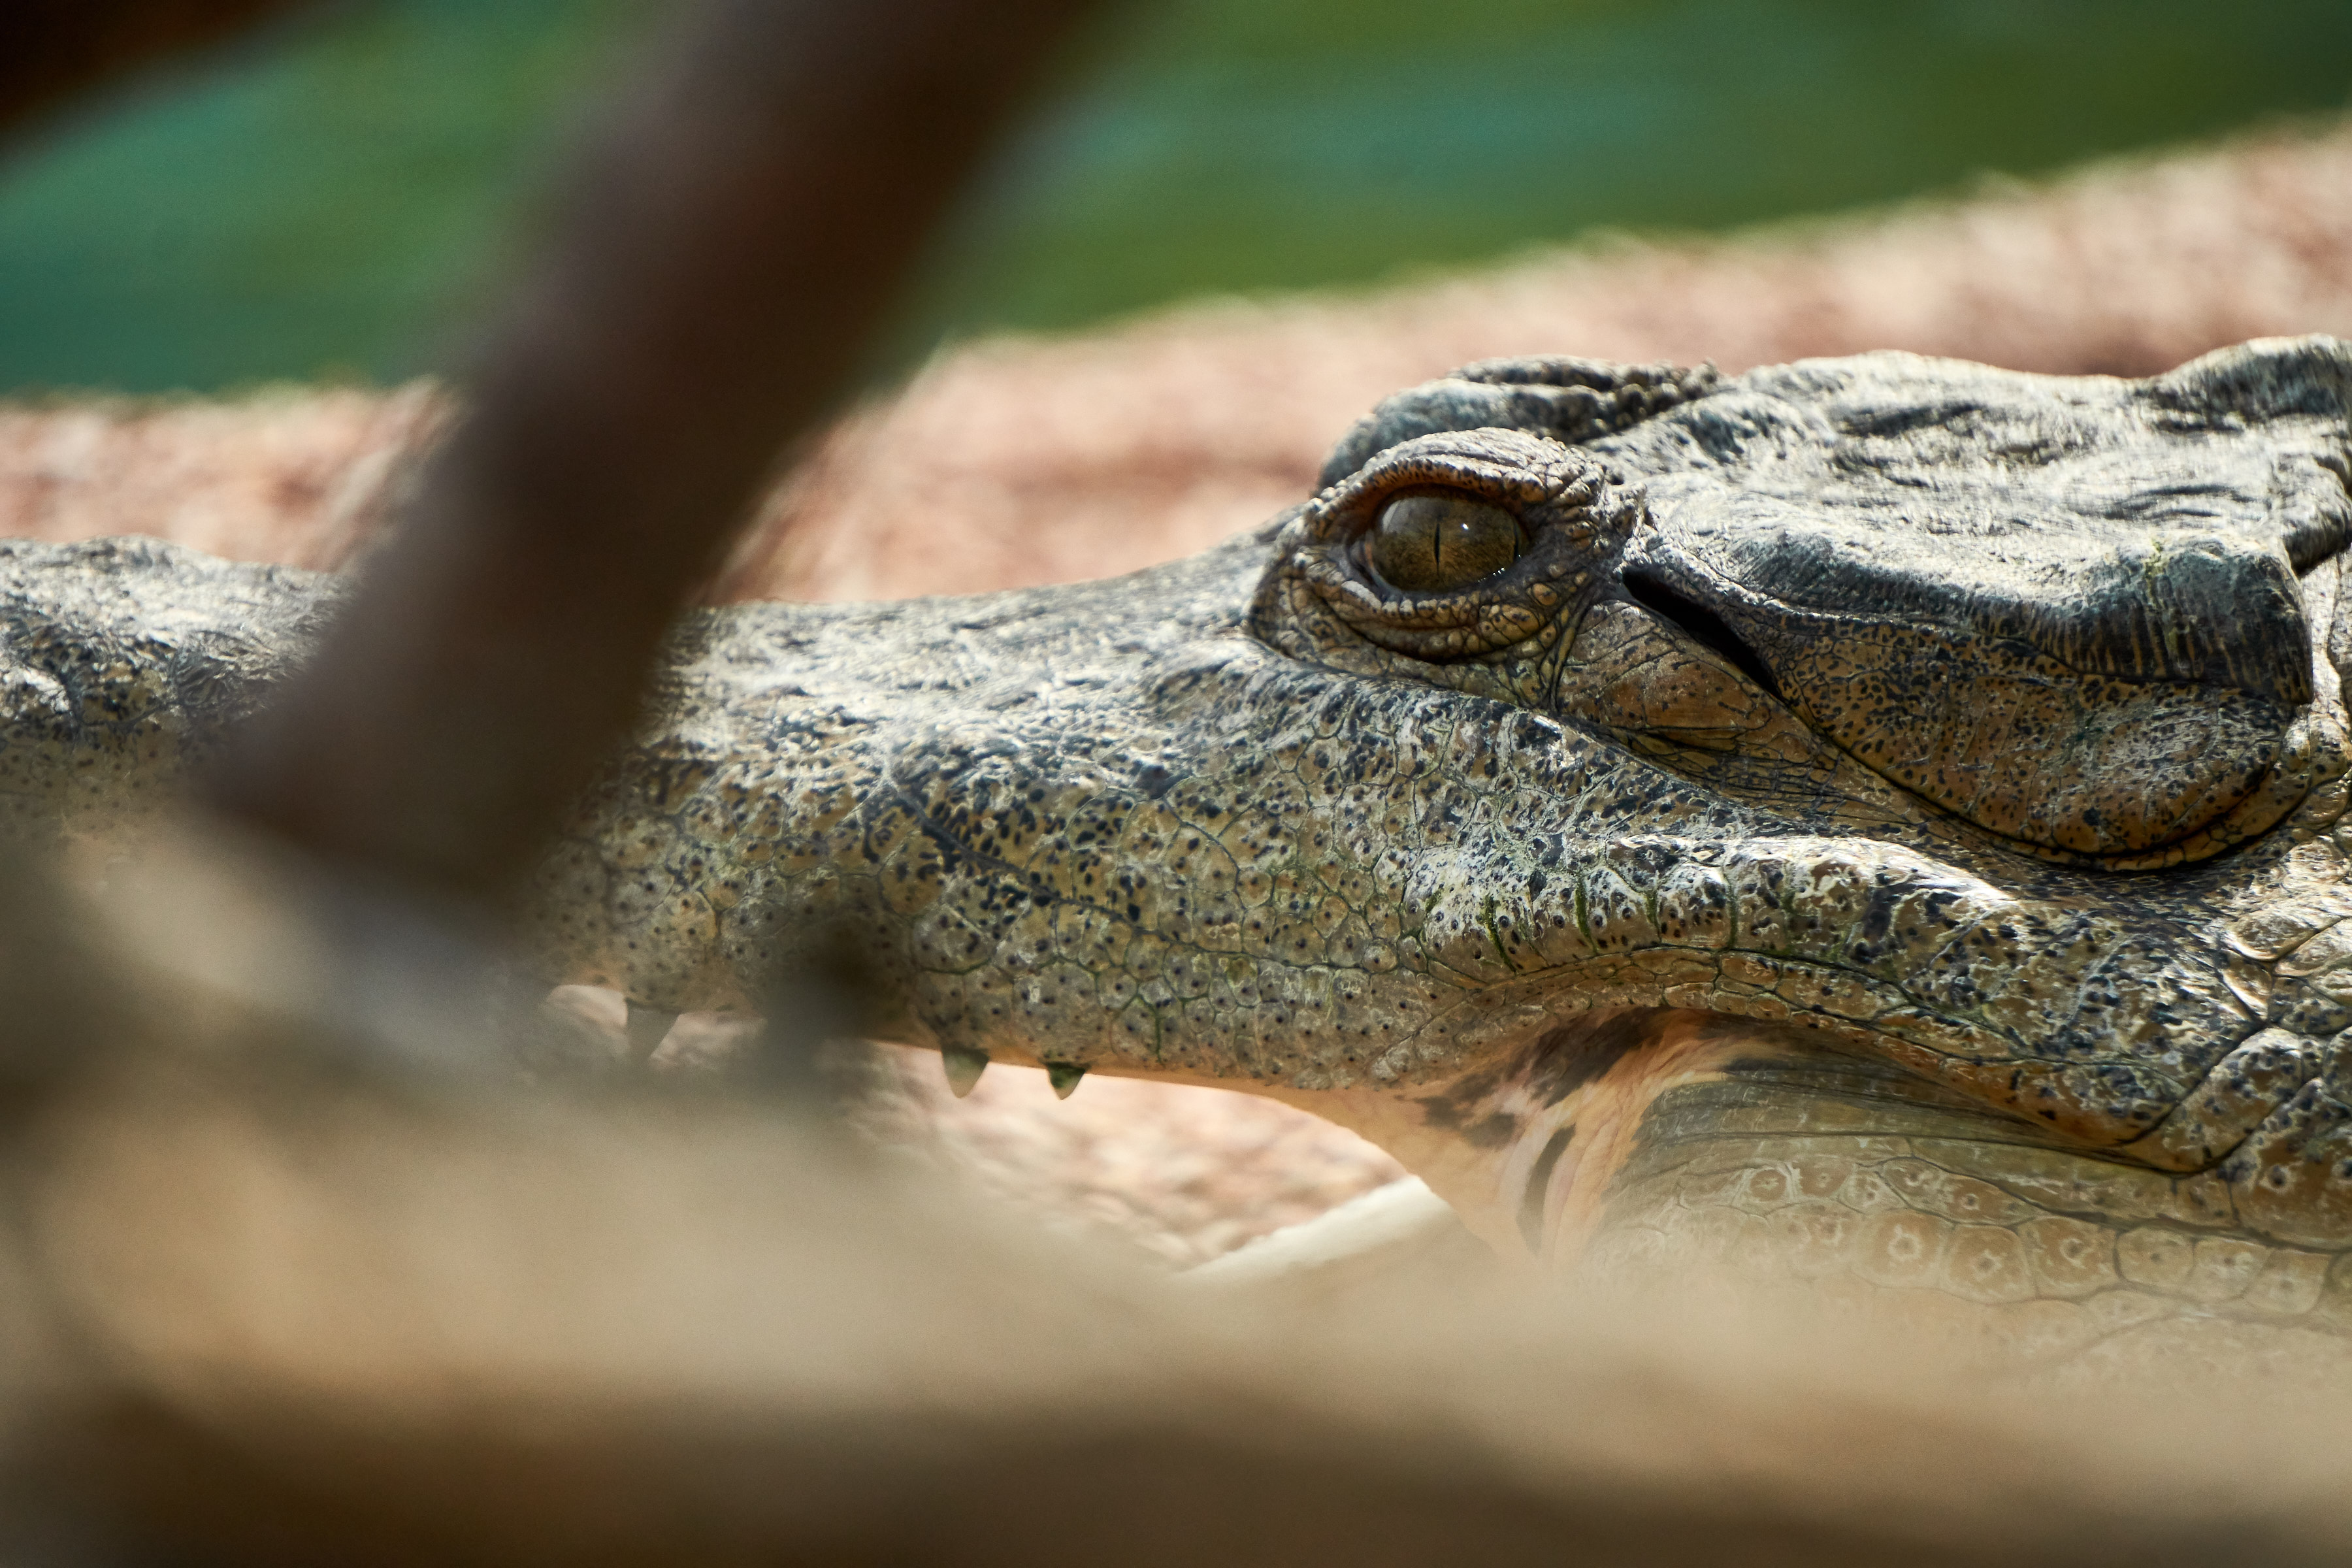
(2134, 701)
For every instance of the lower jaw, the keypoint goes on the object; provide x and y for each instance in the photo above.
(1712, 1154)
(1866, 1190)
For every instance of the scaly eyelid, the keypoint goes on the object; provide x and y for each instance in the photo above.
(1506, 468)
(1571, 514)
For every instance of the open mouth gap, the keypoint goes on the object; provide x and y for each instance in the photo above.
(1654, 594)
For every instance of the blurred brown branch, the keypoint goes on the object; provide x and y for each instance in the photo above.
(51, 50)
(730, 240)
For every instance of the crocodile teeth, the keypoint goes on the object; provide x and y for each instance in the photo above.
(963, 1068)
(1063, 1077)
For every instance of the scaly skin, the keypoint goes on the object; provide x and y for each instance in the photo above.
(1883, 827)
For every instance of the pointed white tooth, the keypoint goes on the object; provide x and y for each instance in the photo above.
(963, 1068)
(1063, 1077)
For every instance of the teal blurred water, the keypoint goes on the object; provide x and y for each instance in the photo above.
(325, 200)
(337, 198)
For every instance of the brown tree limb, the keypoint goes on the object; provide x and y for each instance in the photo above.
(51, 50)
(731, 240)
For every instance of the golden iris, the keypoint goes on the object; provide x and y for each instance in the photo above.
(1427, 541)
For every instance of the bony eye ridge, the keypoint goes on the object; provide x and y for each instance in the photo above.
(1432, 541)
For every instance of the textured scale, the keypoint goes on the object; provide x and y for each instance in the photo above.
(1883, 826)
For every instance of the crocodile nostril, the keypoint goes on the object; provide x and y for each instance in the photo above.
(1653, 593)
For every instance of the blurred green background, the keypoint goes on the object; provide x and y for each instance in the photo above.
(335, 196)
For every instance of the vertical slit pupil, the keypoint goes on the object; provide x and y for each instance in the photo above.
(1431, 540)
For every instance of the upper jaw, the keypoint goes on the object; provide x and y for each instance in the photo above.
(1316, 860)
(1125, 826)
(1195, 856)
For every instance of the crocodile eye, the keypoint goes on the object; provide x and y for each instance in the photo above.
(1430, 540)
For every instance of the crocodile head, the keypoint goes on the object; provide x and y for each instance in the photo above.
(1878, 813)
(1875, 814)
(1876, 817)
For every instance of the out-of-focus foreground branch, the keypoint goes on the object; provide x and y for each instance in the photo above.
(51, 50)
(726, 249)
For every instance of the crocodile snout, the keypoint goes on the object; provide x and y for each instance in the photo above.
(2141, 705)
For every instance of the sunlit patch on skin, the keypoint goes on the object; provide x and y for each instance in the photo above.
(1604, 1117)
(1525, 1150)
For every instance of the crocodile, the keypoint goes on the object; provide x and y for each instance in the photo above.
(1878, 822)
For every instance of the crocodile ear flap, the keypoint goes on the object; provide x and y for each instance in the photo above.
(1570, 400)
(2264, 380)
(2267, 381)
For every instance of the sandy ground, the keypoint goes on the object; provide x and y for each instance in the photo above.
(1017, 461)
(1180, 1175)
(1185, 1174)
(1014, 462)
